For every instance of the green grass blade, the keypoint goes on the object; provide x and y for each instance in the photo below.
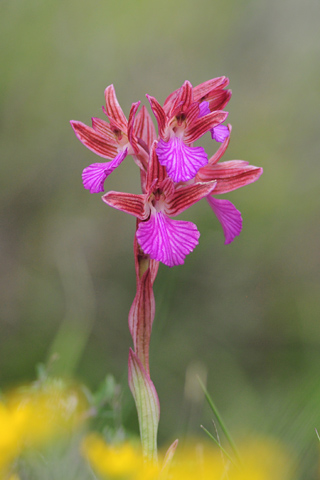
(218, 416)
(221, 448)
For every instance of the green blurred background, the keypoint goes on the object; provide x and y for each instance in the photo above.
(246, 316)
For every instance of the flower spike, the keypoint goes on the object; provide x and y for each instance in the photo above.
(174, 175)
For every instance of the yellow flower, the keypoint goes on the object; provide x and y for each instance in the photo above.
(30, 417)
(261, 460)
(123, 461)
(12, 423)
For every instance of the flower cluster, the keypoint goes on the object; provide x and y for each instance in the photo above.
(175, 174)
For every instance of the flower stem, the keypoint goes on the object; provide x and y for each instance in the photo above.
(141, 317)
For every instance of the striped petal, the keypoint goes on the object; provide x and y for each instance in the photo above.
(182, 162)
(167, 240)
(128, 202)
(204, 89)
(229, 217)
(186, 196)
(144, 128)
(192, 114)
(103, 127)
(230, 175)
(183, 100)
(200, 92)
(203, 125)
(93, 177)
(159, 114)
(130, 130)
(155, 170)
(218, 99)
(113, 109)
(94, 140)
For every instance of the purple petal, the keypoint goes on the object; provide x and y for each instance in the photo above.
(228, 216)
(204, 108)
(167, 240)
(93, 177)
(219, 133)
(182, 162)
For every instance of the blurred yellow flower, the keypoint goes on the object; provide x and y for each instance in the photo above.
(261, 460)
(30, 417)
(123, 461)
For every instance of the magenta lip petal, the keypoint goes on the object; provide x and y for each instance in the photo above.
(229, 217)
(94, 176)
(182, 162)
(167, 240)
(220, 133)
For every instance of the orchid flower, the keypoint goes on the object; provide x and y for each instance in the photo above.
(162, 238)
(114, 141)
(180, 123)
(174, 175)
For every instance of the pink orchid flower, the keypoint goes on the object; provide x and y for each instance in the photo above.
(180, 123)
(164, 239)
(230, 176)
(211, 96)
(114, 141)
